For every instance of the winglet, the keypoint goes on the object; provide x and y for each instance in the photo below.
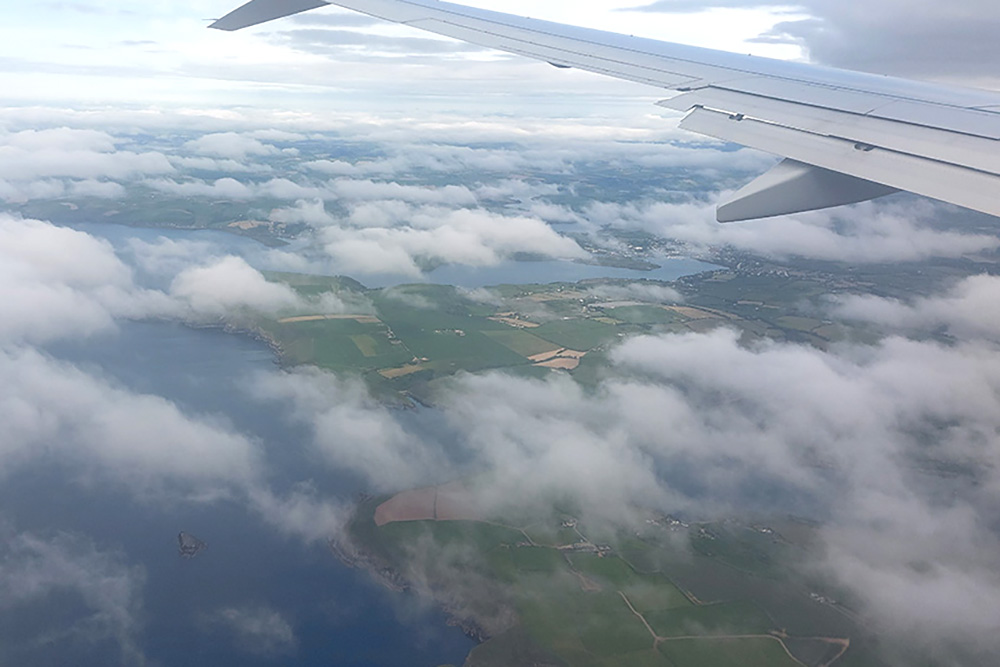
(262, 11)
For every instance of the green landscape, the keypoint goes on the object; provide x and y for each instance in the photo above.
(407, 339)
(661, 591)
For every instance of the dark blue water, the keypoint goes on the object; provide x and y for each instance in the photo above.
(339, 616)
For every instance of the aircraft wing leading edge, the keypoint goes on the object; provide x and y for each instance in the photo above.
(846, 136)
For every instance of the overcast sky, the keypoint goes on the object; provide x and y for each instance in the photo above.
(96, 52)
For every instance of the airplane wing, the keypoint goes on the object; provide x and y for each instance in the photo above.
(846, 136)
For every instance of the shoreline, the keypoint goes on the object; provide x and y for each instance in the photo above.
(394, 580)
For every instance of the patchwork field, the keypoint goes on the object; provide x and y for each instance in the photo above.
(407, 339)
(551, 590)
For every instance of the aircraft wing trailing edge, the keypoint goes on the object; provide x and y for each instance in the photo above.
(845, 136)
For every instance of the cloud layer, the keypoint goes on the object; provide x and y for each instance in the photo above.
(696, 423)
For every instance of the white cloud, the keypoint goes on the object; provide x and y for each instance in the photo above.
(969, 309)
(302, 512)
(66, 138)
(56, 282)
(258, 629)
(645, 292)
(229, 145)
(31, 155)
(312, 213)
(871, 232)
(214, 164)
(223, 188)
(351, 430)
(37, 566)
(471, 237)
(231, 285)
(355, 190)
(143, 442)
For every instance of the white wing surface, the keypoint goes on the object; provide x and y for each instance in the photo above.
(846, 136)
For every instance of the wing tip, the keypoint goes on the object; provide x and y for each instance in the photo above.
(256, 12)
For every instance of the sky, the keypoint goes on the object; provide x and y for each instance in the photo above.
(108, 98)
(111, 51)
(93, 53)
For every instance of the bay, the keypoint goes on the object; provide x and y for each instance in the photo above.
(339, 616)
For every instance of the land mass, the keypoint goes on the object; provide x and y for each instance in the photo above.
(543, 588)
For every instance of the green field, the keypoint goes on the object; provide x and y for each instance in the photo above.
(590, 609)
(522, 342)
(427, 333)
(724, 618)
(752, 652)
(577, 334)
(644, 315)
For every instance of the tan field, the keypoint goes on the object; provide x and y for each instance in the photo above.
(692, 313)
(401, 371)
(414, 505)
(246, 225)
(515, 322)
(362, 319)
(563, 359)
(448, 502)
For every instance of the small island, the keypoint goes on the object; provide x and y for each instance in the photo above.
(189, 546)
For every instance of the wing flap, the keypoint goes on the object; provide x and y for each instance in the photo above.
(939, 180)
(927, 142)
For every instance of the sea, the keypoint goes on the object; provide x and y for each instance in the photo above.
(339, 615)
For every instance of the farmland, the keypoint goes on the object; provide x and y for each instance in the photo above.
(405, 340)
(554, 589)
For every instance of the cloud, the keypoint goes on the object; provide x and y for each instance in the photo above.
(60, 283)
(970, 309)
(260, 630)
(223, 188)
(85, 154)
(66, 138)
(215, 165)
(701, 424)
(39, 566)
(230, 285)
(471, 237)
(351, 430)
(645, 292)
(303, 512)
(355, 190)
(919, 39)
(142, 442)
(56, 282)
(892, 231)
(312, 213)
(231, 145)
(437, 158)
